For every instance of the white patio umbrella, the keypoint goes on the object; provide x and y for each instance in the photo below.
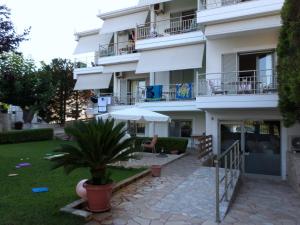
(136, 114)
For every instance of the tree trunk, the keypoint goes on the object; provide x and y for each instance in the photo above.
(28, 115)
(4, 122)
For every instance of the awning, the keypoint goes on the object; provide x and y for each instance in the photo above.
(136, 114)
(124, 67)
(168, 59)
(105, 38)
(93, 81)
(124, 22)
(87, 44)
(151, 2)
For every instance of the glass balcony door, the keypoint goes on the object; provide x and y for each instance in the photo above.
(261, 141)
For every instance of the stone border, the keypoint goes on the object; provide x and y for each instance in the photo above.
(74, 207)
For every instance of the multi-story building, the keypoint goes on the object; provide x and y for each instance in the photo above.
(208, 64)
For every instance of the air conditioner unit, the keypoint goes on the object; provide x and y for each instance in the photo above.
(159, 8)
(294, 144)
(119, 75)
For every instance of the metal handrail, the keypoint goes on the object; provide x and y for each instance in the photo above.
(238, 82)
(139, 96)
(232, 161)
(120, 48)
(167, 27)
(85, 62)
(203, 5)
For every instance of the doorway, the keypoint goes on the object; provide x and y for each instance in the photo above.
(261, 141)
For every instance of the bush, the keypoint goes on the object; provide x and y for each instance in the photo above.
(167, 143)
(26, 136)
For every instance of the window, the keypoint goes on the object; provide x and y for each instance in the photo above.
(180, 128)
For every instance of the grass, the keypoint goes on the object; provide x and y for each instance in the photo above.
(19, 206)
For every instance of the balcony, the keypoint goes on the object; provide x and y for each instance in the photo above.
(239, 83)
(240, 89)
(220, 11)
(114, 49)
(166, 28)
(211, 4)
(155, 94)
(86, 65)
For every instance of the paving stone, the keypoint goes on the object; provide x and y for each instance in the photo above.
(141, 221)
(184, 195)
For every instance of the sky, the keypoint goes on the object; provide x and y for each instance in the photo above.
(54, 22)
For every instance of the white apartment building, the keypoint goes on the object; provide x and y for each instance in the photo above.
(208, 64)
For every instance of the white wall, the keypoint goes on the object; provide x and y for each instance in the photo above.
(162, 78)
(242, 43)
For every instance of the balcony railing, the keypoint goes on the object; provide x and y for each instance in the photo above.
(178, 92)
(121, 48)
(204, 4)
(238, 83)
(178, 25)
(85, 62)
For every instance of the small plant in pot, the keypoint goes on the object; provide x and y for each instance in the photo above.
(99, 143)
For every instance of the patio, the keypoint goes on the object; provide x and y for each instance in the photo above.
(183, 195)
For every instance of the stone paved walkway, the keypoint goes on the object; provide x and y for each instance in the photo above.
(264, 202)
(145, 201)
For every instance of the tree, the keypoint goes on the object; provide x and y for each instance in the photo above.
(22, 85)
(9, 39)
(289, 63)
(66, 102)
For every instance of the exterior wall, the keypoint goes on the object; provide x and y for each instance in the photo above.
(243, 26)
(162, 78)
(215, 48)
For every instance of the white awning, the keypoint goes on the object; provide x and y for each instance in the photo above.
(93, 81)
(124, 22)
(151, 2)
(87, 44)
(136, 114)
(168, 59)
(105, 38)
(124, 67)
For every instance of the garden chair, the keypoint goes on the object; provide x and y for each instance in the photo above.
(151, 145)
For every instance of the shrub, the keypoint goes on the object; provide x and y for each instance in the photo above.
(26, 136)
(167, 143)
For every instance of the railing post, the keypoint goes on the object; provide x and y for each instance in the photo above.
(226, 179)
(217, 192)
(230, 166)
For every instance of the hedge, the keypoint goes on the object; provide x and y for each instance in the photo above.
(167, 143)
(11, 137)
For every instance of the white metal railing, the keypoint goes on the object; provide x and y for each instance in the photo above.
(172, 92)
(173, 26)
(85, 61)
(120, 48)
(211, 4)
(238, 83)
(169, 93)
(229, 167)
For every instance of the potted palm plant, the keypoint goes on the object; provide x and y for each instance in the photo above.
(99, 143)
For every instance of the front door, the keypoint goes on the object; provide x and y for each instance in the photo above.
(262, 147)
(231, 132)
(261, 142)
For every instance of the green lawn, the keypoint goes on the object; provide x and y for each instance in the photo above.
(19, 206)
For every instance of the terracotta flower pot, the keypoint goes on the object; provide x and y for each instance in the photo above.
(98, 197)
(156, 170)
(174, 152)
